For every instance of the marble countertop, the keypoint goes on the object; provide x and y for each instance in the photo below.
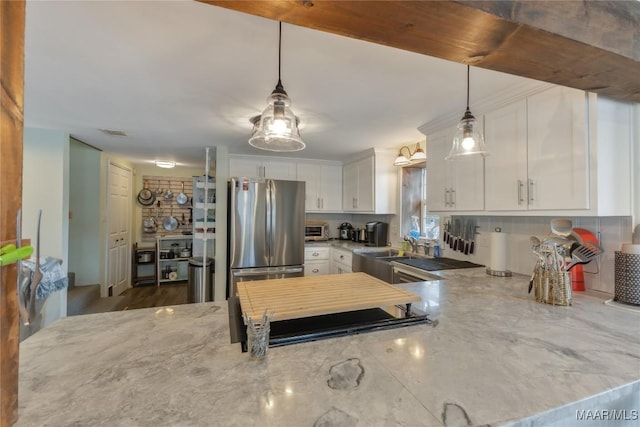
(495, 357)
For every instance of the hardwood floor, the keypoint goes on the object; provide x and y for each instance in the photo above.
(153, 296)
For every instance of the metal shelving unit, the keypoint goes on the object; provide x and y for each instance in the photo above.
(143, 272)
(170, 267)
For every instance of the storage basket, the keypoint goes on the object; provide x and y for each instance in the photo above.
(552, 287)
(627, 278)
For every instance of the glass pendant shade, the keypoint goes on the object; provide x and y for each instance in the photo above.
(468, 139)
(276, 129)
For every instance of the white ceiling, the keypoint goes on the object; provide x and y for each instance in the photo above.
(177, 76)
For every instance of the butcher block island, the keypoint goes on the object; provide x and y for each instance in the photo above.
(298, 297)
(310, 308)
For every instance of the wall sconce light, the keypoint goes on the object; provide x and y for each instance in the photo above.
(165, 164)
(416, 157)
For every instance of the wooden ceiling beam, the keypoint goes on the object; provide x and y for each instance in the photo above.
(593, 46)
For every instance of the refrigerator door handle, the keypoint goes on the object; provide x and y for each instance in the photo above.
(265, 271)
(269, 234)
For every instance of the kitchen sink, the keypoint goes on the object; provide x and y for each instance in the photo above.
(381, 263)
(435, 264)
(395, 258)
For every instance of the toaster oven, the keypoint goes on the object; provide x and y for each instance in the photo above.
(316, 230)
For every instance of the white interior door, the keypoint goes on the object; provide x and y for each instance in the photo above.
(119, 235)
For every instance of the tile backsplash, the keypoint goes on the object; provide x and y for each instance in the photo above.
(598, 275)
(357, 220)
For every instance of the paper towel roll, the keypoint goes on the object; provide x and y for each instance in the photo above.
(629, 248)
(498, 260)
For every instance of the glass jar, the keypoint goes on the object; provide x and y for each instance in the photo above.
(258, 341)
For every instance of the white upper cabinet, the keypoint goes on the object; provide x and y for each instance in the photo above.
(358, 186)
(262, 167)
(323, 186)
(369, 184)
(557, 150)
(506, 176)
(560, 152)
(452, 185)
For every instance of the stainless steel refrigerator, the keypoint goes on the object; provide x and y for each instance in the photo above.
(266, 234)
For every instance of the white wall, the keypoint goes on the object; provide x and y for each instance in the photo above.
(45, 185)
(84, 208)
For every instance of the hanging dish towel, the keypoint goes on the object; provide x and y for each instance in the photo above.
(53, 277)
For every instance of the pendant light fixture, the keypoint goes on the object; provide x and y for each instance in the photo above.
(276, 129)
(417, 156)
(468, 139)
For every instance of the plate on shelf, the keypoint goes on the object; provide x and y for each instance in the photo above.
(173, 275)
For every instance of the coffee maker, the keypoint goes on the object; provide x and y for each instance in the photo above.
(377, 233)
(345, 231)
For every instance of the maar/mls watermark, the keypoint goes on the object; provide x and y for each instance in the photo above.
(607, 415)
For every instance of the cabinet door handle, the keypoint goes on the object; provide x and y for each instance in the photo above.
(321, 203)
(315, 254)
(315, 270)
(453, 198)
(520, 192)
(318, 203)
(531, 190)
(446, 197)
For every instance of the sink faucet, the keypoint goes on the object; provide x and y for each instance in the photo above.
(425, 245)
(413, 242)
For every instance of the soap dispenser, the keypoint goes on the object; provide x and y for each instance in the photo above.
(414, 231)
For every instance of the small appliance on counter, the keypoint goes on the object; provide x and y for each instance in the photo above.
(316, 231)
(359, 235)
(345, 231)
(377, 233)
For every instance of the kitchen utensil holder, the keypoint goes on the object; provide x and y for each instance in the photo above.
(552, 287)
(258, 341)
(627, 278)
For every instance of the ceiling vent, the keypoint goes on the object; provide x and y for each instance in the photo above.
(113, 132)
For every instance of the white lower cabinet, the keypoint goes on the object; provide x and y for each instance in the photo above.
(321, 260)
(316, 260)
(341, 261)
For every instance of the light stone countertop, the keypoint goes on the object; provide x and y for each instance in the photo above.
(496, 357)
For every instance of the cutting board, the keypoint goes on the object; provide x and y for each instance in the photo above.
(298, 297)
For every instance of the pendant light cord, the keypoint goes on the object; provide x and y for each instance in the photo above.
(280, 53)
(467, 86)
